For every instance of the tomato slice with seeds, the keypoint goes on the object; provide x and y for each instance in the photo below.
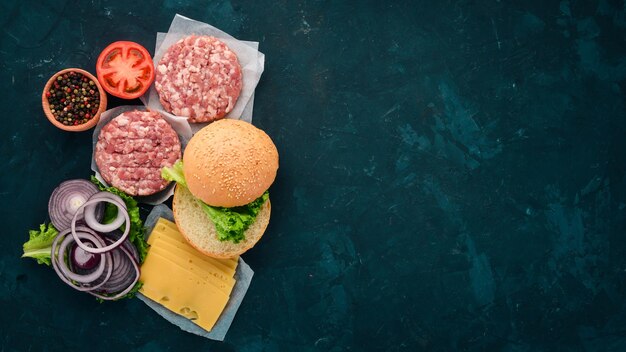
(125, 69)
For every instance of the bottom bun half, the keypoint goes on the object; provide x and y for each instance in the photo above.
(200, 231)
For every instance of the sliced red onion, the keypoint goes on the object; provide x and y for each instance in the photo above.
(83, 279)
(109, 195)
(83, 282)
(112, 276)
(115, 235)
(131, 284)
(117, 243)
(122, 271)
(66, 200)
(82, 262)
(91, 212)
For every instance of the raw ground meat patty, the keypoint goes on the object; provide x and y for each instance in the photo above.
(131, 150)
(199, 77)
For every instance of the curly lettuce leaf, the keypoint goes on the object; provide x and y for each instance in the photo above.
(174, 173)
(39, 245)
(231, 223)
(137, 231)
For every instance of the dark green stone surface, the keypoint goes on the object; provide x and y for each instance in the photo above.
(452, 175)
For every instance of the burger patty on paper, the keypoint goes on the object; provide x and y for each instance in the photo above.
(131, 150)
(200, 78)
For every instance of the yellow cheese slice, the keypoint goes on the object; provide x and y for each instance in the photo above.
(170, 224)
(163, 227)
(187, 248)
(170, 229)
(181, 291)
(209, 274)
(178, 250)
(227, 266)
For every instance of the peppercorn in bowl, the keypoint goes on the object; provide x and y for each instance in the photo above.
(73, 100)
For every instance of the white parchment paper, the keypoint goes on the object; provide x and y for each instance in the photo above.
(251, 60)
(243, 277)
(180, 125)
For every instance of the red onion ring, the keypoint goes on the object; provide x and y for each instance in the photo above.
(62, 274)
(129, 288)
(66, 199)
(109, 195)
(122, 271)
(91, 213)
(87, 278)
(129, 246)
(109, 247)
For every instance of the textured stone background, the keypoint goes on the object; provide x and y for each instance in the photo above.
(453, 175)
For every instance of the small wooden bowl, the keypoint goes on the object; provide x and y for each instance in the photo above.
(77, 128)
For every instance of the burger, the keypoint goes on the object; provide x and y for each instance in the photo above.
(221, 202)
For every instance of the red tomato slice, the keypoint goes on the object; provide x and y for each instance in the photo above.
(125, 69)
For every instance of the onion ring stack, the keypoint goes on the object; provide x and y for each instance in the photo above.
(88, 255)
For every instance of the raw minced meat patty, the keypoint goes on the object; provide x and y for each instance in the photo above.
(199, 77)
(131, 150)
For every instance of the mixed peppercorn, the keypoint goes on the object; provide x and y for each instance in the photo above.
(74, 99)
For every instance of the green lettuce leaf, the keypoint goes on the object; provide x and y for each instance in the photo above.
(174, 173)
(137, 231)
(231, 223)
(39, 245)
(110, 213)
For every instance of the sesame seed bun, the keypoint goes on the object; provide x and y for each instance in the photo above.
(229, 163)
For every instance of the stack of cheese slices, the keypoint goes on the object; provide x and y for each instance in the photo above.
(184, 280)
